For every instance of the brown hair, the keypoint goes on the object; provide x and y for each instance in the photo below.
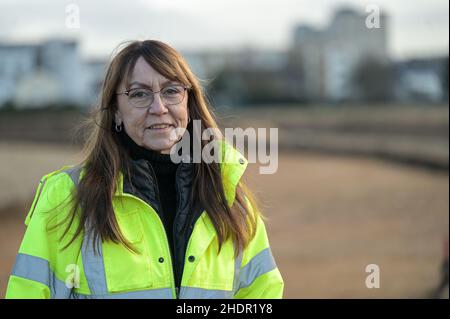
(96, 188)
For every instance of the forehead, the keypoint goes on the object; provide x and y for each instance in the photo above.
(146, 74)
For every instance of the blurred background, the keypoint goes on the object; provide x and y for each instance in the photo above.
(357, 89)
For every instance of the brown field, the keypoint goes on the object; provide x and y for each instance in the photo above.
(328, 217)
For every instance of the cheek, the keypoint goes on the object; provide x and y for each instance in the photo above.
(181, 115)
(135, 124)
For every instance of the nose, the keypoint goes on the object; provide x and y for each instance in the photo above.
(157, 107)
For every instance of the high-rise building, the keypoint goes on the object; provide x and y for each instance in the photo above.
(329, 56)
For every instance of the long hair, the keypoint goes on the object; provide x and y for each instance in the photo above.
(106, 156)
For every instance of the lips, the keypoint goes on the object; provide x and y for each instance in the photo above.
(159, 126)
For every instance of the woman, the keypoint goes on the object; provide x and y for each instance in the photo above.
(130, 222)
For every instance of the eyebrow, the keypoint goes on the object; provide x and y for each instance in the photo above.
(148, 87)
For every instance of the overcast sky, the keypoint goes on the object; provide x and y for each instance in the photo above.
(417, 27)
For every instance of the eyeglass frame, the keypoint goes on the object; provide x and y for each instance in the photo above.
(127, 92)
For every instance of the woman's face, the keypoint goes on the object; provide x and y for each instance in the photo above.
(138, 122)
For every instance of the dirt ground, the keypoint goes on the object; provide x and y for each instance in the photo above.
(328, 218)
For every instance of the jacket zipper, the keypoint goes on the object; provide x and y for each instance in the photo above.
(173, 227)
(165, 233)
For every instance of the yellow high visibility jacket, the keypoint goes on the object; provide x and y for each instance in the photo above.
(43, 270)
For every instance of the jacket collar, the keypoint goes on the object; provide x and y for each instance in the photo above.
(232, 167)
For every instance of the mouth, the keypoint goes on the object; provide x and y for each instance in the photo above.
(160, 127)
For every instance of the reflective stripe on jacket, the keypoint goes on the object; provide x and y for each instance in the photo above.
(43, 270)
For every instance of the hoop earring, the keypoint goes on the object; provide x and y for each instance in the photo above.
(118, 128)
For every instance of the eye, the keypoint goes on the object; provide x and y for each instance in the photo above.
(171, 90)
(139, 93)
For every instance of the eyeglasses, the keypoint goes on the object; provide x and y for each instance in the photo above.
(142, 98)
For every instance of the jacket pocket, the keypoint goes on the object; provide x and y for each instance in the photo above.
(128, 270)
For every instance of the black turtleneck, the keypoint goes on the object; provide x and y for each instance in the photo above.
(165, 171)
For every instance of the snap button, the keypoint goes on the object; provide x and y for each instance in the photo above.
(191, 259)
(161, 260)
(241, 160)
